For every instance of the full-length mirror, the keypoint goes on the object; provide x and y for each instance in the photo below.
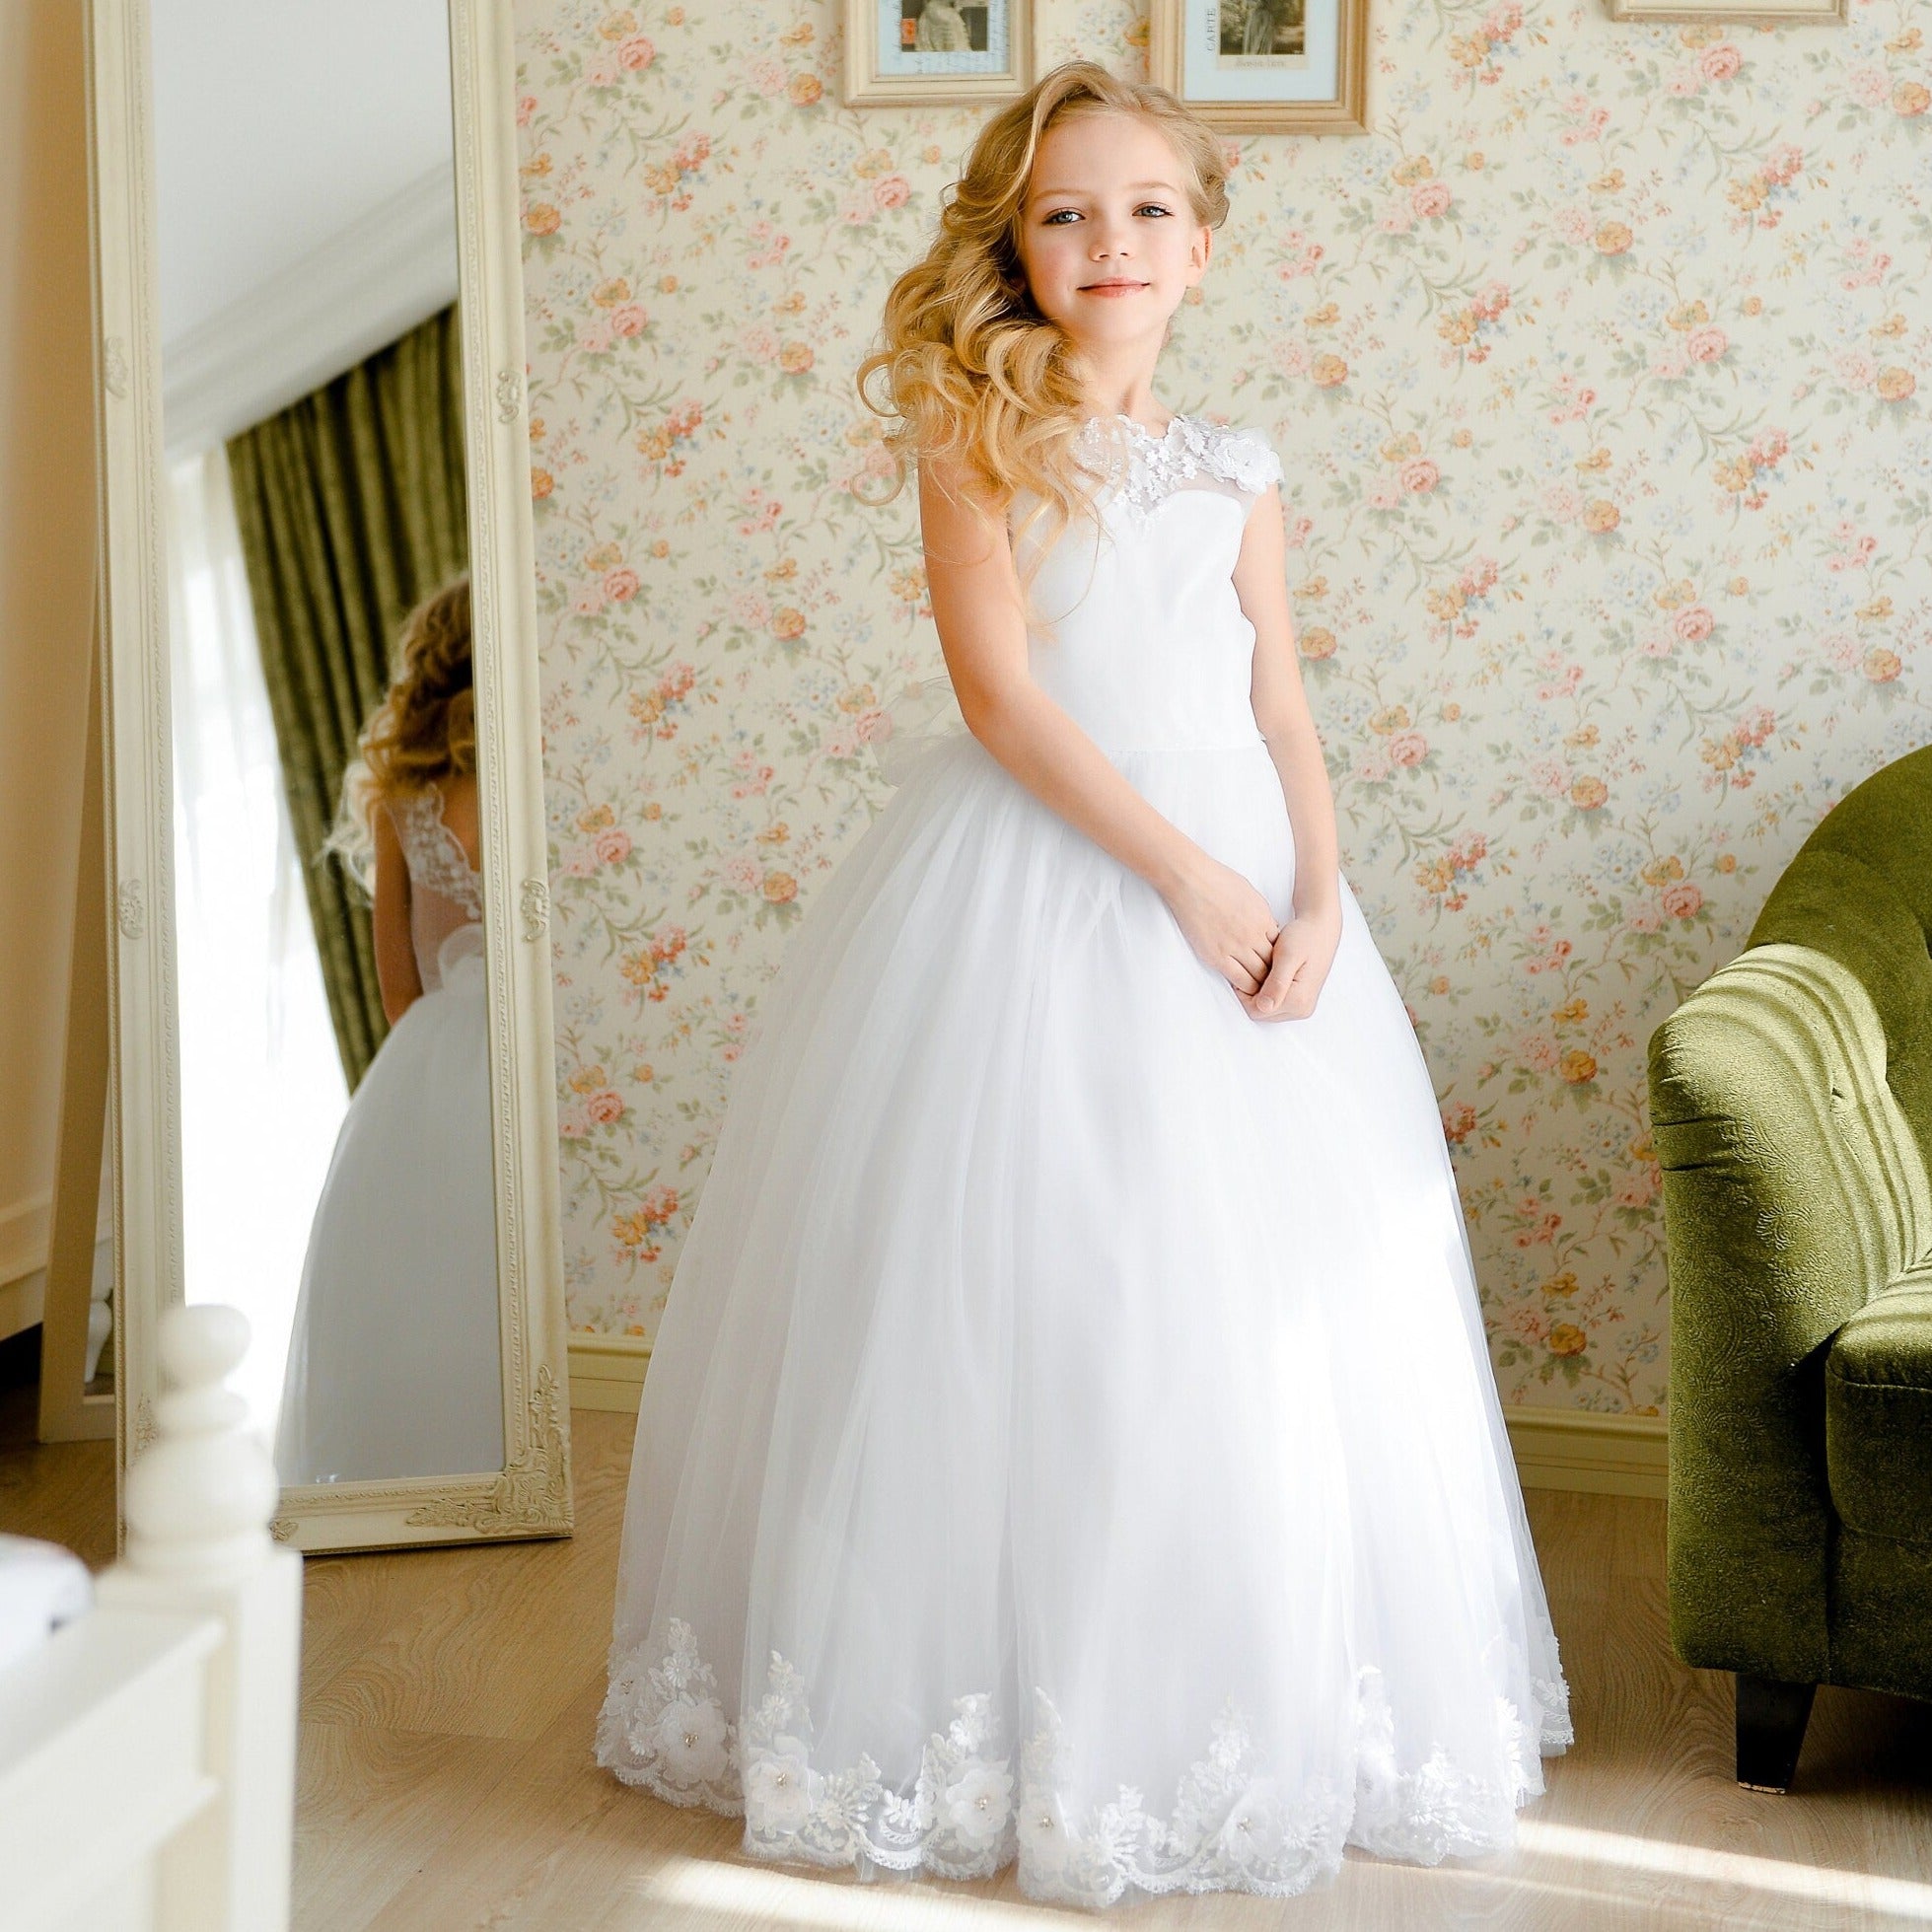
(327, 829)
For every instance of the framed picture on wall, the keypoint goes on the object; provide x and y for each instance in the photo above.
(1732, 13)
(905, 53)
(1265, 66)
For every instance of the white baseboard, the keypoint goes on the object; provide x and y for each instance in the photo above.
(1580, 1448)
(607, 1372)
(1555, 1448)
(23, 1236)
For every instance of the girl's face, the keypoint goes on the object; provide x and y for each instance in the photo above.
(1108, 239)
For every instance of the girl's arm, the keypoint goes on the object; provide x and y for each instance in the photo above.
(980, 615)
(1307, 945)
(395, 952)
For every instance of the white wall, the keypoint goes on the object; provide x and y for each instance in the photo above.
(46, 587)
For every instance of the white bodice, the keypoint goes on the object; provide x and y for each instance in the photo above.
(1152, 649)
(446, 892)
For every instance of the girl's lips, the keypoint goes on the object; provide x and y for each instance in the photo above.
(1113, 288)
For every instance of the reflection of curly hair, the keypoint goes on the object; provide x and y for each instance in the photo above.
(423, 731)
(973, 369)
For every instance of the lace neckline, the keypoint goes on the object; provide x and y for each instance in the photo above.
(1144, 466)
(1160, 434)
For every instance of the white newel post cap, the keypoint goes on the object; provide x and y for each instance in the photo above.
(201, 1496)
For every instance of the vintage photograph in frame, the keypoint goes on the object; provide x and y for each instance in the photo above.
(903, 54)
(1265, 66)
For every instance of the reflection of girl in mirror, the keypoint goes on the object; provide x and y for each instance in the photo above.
(394, 1367)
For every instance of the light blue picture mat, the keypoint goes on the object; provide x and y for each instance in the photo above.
(898, 61)
(1204, 79)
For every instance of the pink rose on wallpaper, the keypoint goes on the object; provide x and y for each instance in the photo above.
(1842, 649)
(1549, 778)
(1419, 474)
(588, 603)
(601, 73)
(767, 76)
(1638, 1189)
(614, 845)
(1869, 87)
(742, 872)
(1429, 199)
(1783, 165)
(1398, 219)
(1722, 62)
(1685, 82)
(1706, 344)
(1768, 447)
(620, 586)
(1538, 1052)
(1683, 899)
(604, 1106)
(579, 862)
(1694, 625)
(636, 53)
(892, 191)
(573, 1123)
(1856, 370)
(1490, 299)
(1407, 749)
(629, 320)
(1645, 920)
(1562, 505)
(1574, 225)
(1656, 646)
(1384, 495)
(525, 108)
(872, 724)
(1291, 357)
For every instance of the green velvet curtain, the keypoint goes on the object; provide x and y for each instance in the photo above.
(352, 508)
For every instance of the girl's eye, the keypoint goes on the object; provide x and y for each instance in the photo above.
(1146, 207)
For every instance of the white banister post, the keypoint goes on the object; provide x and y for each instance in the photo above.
(200, 1500)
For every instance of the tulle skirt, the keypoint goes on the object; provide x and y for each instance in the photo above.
(394, 1364)
(1071, 1434)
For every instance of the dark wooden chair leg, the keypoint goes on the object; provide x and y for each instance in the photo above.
(1771, 1719)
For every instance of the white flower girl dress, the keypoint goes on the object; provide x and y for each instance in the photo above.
(394, 1364)
(1071, 1434)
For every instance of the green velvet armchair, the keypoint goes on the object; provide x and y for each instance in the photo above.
(1791, 1107)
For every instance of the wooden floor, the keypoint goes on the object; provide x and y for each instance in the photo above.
(448, 1696)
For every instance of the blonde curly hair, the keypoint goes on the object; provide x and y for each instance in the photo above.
(972, 369)
(424, 730)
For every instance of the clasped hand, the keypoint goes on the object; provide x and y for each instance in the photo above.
(1276, 970)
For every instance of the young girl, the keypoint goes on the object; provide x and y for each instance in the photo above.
(395, 1363)
(1071, 1434)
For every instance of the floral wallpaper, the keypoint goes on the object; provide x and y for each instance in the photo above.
(1599, 371)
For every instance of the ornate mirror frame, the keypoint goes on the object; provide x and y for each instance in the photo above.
(531, 1495)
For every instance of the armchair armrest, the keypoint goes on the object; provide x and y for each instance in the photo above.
(1793, 1191)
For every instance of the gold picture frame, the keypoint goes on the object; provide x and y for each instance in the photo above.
(994, 63)
(1317, 82)
(1734, 13)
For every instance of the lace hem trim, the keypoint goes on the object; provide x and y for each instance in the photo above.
(971, 1811)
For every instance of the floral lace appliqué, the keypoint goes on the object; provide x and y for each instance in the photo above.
(1149, 467)
(433, 853)
(971, 1811)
